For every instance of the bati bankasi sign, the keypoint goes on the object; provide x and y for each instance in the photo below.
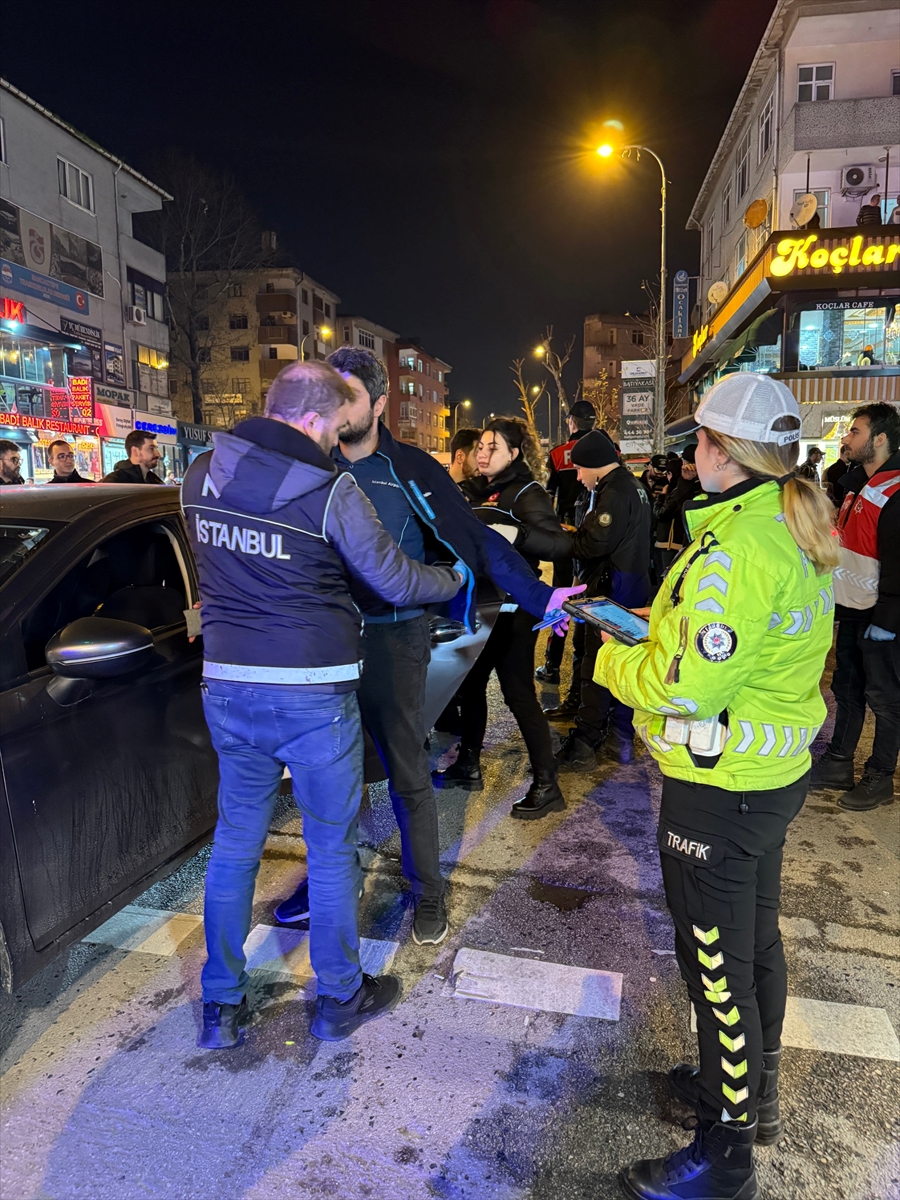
(803, 253)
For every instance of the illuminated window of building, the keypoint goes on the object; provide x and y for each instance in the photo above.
(815, 81)
(765, 127)
(823, 199)
(148, 370)
(76, 185)
(742, 166)
(440, 376)
(840, 337)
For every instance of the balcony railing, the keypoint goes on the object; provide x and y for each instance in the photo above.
(267, 302)
(839, 125)
(278, 335)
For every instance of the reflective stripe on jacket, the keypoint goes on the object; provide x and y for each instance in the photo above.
(741, 625)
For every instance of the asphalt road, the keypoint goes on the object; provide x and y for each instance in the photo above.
(106, 1097)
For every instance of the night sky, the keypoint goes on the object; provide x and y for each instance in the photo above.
(429, 160)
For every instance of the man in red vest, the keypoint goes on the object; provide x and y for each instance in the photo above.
(867, 608)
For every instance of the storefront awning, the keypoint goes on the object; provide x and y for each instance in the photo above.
(764, 331)
(36, 333)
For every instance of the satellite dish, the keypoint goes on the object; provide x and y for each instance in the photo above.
(756, 213)
(804, 209)
(717, 292)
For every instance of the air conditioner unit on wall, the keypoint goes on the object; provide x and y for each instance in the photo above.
(135, 315)
(857, 180)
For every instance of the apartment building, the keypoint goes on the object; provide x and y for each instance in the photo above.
(239, 333)
(84, 344)
(608, 339)
(799, 290)
(419, 413)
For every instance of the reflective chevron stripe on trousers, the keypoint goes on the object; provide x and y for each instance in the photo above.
(721, 855)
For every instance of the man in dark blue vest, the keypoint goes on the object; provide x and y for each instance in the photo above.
(278, 531)
(424, 510)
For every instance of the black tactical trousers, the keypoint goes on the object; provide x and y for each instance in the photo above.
(563, 574)
(721, 855)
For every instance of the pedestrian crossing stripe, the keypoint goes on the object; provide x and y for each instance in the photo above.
(729, 1018)
(736, 1097)
(732, 1044)
(711, 963)
(706, 938)
(735, 1070)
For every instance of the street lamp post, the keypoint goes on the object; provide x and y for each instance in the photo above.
(659, 416)
(322, 330)
(459, 404)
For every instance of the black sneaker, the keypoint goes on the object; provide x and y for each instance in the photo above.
(874, 788)
(337, 1019)
(295, 908)
(831, 771)
(430, 925)
(222, 1025)
(547, 674)
(576, 753)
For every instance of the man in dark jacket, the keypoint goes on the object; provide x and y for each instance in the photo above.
(421, 505)
(809, 469)
(564, 487)
(834, 476)
(867, 611)
(143, 455)
(10, 461)
(671, 537)
(61, 458)
(279, 533)
(612, 556)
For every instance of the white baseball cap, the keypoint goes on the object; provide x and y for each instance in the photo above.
(744, 405)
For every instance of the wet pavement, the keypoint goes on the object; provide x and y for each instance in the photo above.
(106, 1097)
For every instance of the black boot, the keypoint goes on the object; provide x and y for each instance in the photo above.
(684, 1080)
(542, 797)
(718, 1165)
(465, 773)
(566, 710)
(576, 753)
(832, 772)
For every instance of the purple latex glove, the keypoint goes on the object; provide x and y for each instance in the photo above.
(556, 601)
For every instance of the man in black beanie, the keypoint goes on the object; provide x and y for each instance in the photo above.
(612, 556)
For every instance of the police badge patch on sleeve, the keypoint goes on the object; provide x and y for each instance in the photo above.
(716, 642)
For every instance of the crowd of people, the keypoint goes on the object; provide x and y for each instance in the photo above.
(739, 560)
(143, 456)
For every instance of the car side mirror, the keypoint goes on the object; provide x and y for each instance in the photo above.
(99, 648)
(443, 629)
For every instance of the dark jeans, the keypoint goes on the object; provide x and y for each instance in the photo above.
(510, 652)
(391, 698)
(721, 869)
(256, 730)
(866, 672)
(563, 574)
(598, 708)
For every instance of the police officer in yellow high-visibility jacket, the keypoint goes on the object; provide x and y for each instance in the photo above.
(726, 698)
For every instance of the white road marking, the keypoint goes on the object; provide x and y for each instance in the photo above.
(285, 952)
(527, 983)
(833, 1028)
(148, 930)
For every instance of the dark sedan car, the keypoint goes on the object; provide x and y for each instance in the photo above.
(109, 780)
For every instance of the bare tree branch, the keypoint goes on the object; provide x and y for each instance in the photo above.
(528, 398)
(605, 400)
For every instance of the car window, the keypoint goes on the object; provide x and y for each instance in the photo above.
(133, 576)
(17, 544)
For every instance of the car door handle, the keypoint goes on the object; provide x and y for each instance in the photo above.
(443, 630)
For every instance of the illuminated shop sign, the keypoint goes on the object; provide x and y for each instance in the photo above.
(12, 310)
(797, 254)
(82, 390)
(167, 429)
(701, 337)
(14, 420)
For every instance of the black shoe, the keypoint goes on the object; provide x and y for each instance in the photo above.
(222, 1025)
(337, 1019)
(430, 925)
(542, 798)
(563, 712)
(717, 1165)
(684, 1083)
(832, 772)
(547, 674)
(295, 908)
(465, 773)
(621, 749)
(576, 753)
(873, 789)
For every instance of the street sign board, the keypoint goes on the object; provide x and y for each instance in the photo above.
(680, 304)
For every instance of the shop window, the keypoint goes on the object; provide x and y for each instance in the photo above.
(742, 166)
(815, 81)
(76, 185)
(133, 576)
(823, 200)
(764, 127)
(835, 338)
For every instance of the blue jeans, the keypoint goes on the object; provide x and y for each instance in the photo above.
(256, 729)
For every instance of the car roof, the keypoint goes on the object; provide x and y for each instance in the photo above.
(69, 501)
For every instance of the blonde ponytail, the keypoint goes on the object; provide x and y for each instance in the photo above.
(808, 513)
